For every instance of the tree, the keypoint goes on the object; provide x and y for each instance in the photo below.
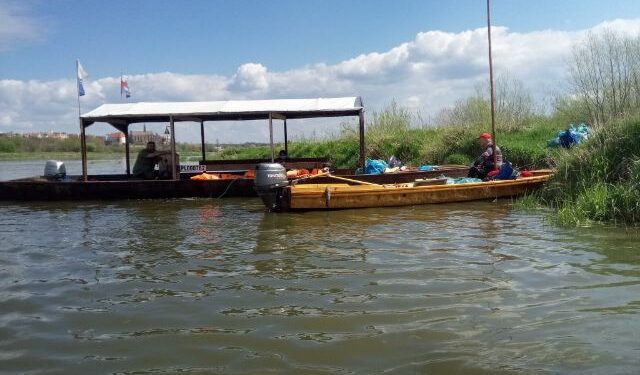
(514, 106)
(605, 75)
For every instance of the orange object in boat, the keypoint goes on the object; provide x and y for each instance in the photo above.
(205, 176)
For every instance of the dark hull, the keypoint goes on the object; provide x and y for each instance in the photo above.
(118, 187)
(98, 190)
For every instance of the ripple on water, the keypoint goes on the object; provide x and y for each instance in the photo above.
(220, 286)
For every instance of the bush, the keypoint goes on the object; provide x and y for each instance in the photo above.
(599, 181)
(7, 145)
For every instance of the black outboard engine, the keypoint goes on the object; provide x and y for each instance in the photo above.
(270, 179)
(55, 170)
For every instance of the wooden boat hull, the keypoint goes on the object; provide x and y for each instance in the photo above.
(108, 187)
(342, 196)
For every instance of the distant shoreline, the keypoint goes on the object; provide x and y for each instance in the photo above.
(17, 156)
(63, 155)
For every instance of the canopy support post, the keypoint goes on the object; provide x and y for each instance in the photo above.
(173, 149)
(127, 151)
(361, 132)
(83, 148)
(273, 152)
(286, 142)
(202, 140)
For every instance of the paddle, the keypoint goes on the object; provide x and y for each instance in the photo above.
(328, 174)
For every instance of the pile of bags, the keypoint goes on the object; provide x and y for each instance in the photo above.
(378, 166)
(573, 135)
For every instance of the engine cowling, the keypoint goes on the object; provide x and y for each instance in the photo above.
(270, 179)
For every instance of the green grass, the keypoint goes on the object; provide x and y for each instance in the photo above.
(599, 181)
(390, 133)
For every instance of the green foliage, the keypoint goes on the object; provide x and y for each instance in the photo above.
(7, 145)
(457, 159)
(390, 132)
(600, 180)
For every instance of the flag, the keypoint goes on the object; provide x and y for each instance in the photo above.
(124, 88)
(81, 76)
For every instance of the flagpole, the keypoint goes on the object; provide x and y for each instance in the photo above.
(83, 142)
(78, 88)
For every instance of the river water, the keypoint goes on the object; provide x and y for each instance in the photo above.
(220, 286)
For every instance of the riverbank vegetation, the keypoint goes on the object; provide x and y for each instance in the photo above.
(16, 147)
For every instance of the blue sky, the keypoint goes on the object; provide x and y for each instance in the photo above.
(423, 54)
(215, 37)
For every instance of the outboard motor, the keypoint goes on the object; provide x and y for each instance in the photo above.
(55, 170)
(269, 179)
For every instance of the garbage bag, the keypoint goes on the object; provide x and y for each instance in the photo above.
(374, 166)
(571, 136)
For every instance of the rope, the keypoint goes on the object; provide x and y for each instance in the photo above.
(228, 186)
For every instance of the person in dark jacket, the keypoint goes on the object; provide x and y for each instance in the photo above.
(146, 161)
(484, 164)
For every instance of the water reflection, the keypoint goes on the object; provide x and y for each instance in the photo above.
(222, 286)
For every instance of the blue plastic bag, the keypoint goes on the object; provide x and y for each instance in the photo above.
(374, 166)
(570, 136)
(427, 167)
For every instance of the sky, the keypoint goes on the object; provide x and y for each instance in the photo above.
(422, 54)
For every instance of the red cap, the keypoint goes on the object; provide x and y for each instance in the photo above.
(485, 136)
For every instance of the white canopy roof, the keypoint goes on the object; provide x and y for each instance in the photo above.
(126, 113)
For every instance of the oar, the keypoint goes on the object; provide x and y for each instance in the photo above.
(293, 182)
(351, 180)
(328, 174)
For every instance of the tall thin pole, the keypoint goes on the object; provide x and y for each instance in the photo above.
(174, 174)
(493, 117)
(273, 151)
(202, 140)
(361, 160)
(286, 141)
(127, 151)
(83, 141)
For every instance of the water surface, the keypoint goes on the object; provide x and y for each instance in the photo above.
(220, 286)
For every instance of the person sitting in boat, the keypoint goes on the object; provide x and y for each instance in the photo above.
(146, 161)
(282, 156)
(484, 164)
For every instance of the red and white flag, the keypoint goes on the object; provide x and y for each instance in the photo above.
(124, 88)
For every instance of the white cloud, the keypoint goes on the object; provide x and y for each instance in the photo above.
(425, 74)
(251, 77)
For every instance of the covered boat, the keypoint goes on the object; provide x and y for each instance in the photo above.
(232, 179)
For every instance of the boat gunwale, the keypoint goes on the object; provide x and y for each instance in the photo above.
(354, 190)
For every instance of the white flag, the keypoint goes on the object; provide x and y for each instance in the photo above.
(81, 76)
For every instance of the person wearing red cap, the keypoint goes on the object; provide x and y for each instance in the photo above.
(484, 164)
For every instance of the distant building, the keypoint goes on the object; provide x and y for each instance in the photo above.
(117, 138)
(50, 134)
(142, 137)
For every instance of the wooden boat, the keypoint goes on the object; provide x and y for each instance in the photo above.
(108, 187)
(342, 195)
